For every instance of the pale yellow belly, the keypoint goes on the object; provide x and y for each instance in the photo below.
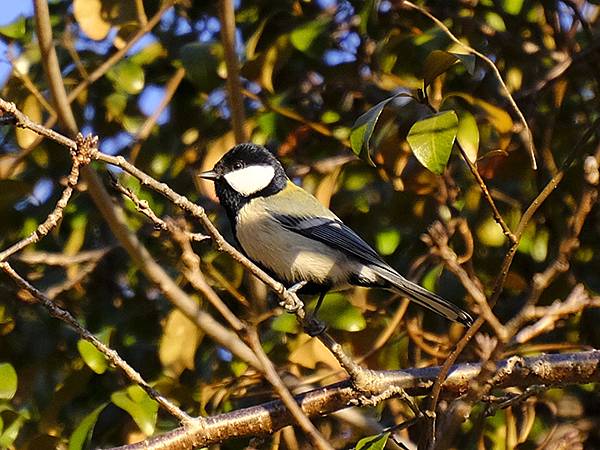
(290, 255)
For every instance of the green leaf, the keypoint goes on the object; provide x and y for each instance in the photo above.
(467, 135)
(338, 313)
(387, 241)
(467, 60)
(362, 130)
(376, 442)
(367, 13)
(285, 323)
(200, 63)
(436, 63)
(127, 76)
(15, 29)
(92, 357)
(11, 432)
(142, 409)
(305, 36)
(431, 140)
(439, 61)
(8, 381)
(81, 435)
(149, 54)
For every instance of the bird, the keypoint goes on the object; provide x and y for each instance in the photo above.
(287, 232)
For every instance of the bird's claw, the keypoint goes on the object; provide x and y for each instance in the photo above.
(296, 287)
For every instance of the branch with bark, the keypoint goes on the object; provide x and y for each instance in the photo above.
(547, 370)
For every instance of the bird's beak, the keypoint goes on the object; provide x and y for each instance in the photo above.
(209, 175)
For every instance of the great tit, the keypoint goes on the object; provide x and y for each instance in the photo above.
(287, 232)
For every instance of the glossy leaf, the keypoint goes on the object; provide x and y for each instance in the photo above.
(142, 409)
(439, 61)
(14, 29)
(467, 135)
(127, 76)
(285, 323)
(373, 442)
(81, 436)
(363, 128)
(338, 313)
(8, 381)
(305, 36)
(11, 432)
(431, 140)
(92, 357)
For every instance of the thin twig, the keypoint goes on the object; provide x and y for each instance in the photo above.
(492, 66)
(503, 274)
(284, 394)
(65, 316)
(549, 370)
(142, 257)
(144, 131)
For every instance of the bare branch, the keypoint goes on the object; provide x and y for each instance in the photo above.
(549, 370)
(65, 316)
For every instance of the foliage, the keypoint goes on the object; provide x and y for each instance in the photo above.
(323, 81)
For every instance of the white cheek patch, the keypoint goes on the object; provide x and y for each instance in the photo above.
(251, 179)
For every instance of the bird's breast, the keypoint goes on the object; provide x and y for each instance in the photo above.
(290, 255)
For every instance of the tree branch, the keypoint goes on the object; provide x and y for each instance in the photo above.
(549, 370)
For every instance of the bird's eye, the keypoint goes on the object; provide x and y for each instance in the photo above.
(238, 165)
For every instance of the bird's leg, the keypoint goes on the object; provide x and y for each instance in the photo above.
(313, 326)
(296, 287)
(292, 303)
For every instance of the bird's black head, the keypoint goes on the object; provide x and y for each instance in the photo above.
(245, 172)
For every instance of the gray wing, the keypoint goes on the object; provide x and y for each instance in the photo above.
(333, 233)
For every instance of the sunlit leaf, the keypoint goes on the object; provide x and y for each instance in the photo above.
(363, 128)
(373, 442)
(490, 234)
(142, 409)
(431, 140)
(496, 116)
(14, 29)
(274, 58)
(495, 21)
(128, 76)
(513, 7)
(11, 432)
(149, 54)
(174, 356)
(387, 241)
(93, 357)
(338, 313)
(88, 13)
(285, 323)
(33, 109)
(305, 36)
(8, 381)
(81, 435)
(467, 135)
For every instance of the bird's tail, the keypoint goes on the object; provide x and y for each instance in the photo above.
(424, 298)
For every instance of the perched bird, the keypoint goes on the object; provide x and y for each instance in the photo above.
(287, 232)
